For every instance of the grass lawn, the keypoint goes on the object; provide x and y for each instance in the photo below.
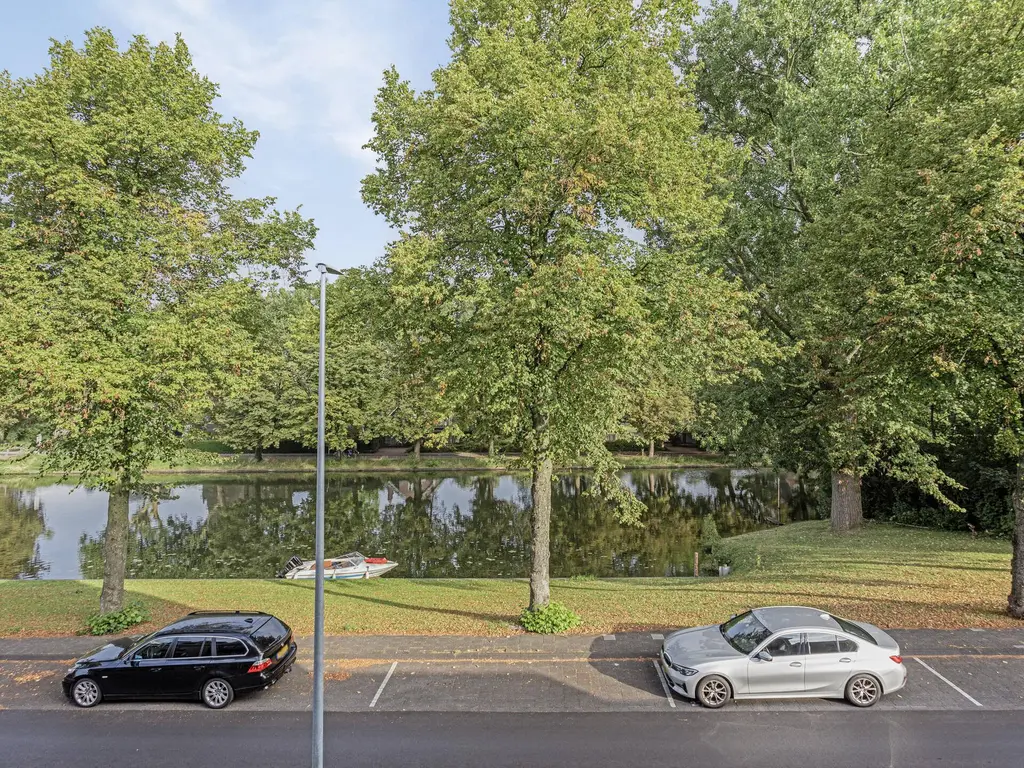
(892, 576)
(211, 463)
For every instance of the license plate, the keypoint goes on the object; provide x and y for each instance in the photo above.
(283, 651)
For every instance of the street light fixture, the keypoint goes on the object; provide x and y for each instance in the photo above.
(318, 609)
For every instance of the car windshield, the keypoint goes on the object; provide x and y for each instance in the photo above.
(142, 641)
(745, 632)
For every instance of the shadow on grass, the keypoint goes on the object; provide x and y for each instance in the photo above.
(338, 591)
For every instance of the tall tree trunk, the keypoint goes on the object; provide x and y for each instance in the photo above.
(1017, 563)
(490, 448)
(416, 449)
(847, 512)
(259, 452)
(540, 580)
(115, 551)
(650, 448)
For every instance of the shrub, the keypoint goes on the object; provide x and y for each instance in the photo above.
(549, 620)
(117, 621)
(710, 541)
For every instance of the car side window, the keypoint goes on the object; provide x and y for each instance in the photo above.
(846, 645)
(158, 649)
(822, 642)
(226, 647)
(785, 645)
(188, 649)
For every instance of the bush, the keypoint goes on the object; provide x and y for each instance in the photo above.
(549, 620)
(117, 621)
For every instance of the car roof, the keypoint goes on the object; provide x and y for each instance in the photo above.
(237, 622)
(780, 617)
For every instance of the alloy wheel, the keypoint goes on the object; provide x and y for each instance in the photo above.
(863, 691)
(86, 693)
(216, 694)
(714, 692)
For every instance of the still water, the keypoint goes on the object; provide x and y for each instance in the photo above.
(459, 525)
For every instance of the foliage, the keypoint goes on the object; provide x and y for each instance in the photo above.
(514, 180)
(550, 619)
(271, 396)
(877, 136)
(710, 540)
(117, 621)
(121, 258)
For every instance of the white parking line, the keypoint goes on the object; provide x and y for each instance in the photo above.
(609, 637)
(385, 682)
(657, 636)
(664, 684)
(952, 685)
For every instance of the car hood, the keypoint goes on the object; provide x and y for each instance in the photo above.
(112, 650)
(699, 644)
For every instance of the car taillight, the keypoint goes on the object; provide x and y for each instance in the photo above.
(259, 666)
(897, 659)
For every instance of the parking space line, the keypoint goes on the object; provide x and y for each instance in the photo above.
(383, 683)
(664, 684)
(657, 636)
(952, 685)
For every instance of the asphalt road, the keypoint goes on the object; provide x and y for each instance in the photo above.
(160, 738)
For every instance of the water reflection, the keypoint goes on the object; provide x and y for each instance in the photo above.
(434, 526)
(22, 525)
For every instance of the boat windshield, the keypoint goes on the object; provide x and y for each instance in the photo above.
(354, 557)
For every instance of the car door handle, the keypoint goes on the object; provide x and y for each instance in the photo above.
(846, 661)
(795, 664)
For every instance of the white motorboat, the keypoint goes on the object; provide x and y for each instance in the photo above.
(350, 566)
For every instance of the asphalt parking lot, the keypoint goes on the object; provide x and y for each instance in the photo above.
(948, 672)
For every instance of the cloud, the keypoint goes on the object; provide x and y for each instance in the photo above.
(307, 67)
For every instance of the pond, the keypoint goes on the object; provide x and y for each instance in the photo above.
(456, 525)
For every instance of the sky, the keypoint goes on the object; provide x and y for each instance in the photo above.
(303, 73)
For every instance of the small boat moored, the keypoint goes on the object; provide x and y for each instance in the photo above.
(350, 566)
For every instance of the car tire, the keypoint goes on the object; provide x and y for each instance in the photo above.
(86, 693)
(217, 693)
(713, 692)
(863, 690)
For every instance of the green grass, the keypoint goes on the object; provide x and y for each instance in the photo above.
(895, 577)
(215, 464)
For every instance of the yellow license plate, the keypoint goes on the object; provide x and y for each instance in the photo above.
(282, 652)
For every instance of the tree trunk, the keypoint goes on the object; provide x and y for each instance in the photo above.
(490, 448)
(650, 448)
(416, 449)
(1017, 563)
(540, 580)
(259, 452)
(115, 551)
(847, 512)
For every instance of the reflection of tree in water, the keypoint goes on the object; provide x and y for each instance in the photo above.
(253, 527)
(21, 525)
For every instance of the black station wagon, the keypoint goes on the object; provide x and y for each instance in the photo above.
(211, 655)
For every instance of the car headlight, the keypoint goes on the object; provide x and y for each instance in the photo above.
(686, 671)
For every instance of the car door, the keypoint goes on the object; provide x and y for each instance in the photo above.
(145, 673)
(188, 666)
(829, 664)
(784, 673)
(230, 657)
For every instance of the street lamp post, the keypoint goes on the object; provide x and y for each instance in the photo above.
(318, 609)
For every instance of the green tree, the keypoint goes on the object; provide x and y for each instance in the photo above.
(272, 398)
(120, 255)
(822, 94)
(513, 179)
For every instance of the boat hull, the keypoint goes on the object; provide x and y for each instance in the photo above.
(368, 571)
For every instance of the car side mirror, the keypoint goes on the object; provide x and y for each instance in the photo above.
(764, 656)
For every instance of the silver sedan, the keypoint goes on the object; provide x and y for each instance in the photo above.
(783, 652)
